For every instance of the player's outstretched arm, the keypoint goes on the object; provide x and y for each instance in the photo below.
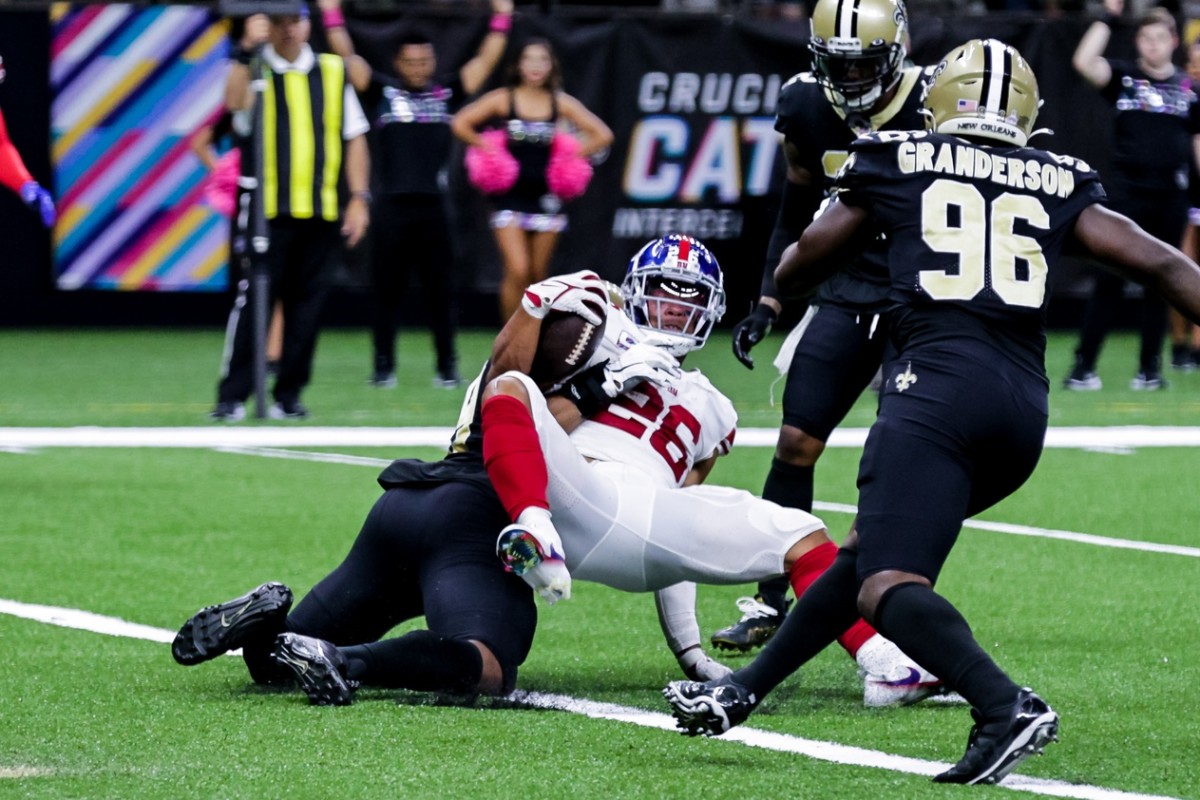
(334, 22)
(808, 262)
(1122, 244)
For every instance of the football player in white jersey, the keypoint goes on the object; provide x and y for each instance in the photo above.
(603, 477)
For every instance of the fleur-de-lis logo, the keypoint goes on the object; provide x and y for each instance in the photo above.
(905, 379)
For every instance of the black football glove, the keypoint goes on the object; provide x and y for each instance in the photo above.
(752, 330)
(586, 390)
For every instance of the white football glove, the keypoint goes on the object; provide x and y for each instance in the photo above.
(641, 362)
(699, 666)
(532, 548)
(583, 293)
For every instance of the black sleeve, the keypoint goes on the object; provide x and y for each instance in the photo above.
(458, 95)
(1120, 69)
(797, 207)
(371, 96)
(223, 126)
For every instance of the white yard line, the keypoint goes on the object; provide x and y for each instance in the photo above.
(843, 508)
(782, 742)
(1120, 439)
(269, 441)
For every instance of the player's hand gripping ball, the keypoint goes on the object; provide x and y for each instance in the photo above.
(565, 344)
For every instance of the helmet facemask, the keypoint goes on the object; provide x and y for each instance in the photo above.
(858, 49)
(673, 289)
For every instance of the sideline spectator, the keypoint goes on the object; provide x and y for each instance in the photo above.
(1157, 119)
(307, 103)
(219, 148)
(1185, 337)
(410, 120)
(529, 112)
(15, 176)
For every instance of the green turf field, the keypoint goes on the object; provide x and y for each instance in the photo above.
(148, 535)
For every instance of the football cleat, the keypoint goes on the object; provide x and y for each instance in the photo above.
(890, 678)
(1082, 379)
(1147, 382)
(994, 749)
(903, 686)
(255, 616)
(317, 666)
(536, 560)
(758, 624)
(710, 708)
(519, 549)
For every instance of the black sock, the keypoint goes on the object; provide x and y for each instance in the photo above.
(420, 660)
(790, 486)
(931, 631)
(825, 611)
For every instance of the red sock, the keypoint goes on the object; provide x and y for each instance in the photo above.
(513, 455)
(806, 570)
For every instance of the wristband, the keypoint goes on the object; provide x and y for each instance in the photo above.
(586, 390)
(363, 195)
(333, 18)
(501, 23)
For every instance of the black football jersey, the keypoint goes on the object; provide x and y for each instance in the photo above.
(971, 228)
(821, 135)
(464, 457)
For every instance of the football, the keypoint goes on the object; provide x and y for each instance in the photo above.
(565, 344)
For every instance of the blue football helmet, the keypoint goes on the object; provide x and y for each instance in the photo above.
(673, 288)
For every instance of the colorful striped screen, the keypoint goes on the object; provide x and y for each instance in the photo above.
(131, 87)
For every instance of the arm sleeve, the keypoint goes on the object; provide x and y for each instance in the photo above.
(354, 121)
(677, 616)
(12, 169)
(797, 206)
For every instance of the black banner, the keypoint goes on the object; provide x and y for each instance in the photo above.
(691, 100)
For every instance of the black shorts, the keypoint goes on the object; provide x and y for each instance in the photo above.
(427, 550)
(835, 360)
(954, 436)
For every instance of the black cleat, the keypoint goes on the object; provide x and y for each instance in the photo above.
(318, 667)
(758, 624)
(994, 749)
(212, 631)
(709, 708)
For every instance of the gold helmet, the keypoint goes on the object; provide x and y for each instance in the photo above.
(858, 47)
(983, 88)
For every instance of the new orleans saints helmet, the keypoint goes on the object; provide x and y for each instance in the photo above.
(983, 88)
(858, 47)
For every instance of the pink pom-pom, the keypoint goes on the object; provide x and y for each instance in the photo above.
(490, 167)
(220, 187)
(568, 173)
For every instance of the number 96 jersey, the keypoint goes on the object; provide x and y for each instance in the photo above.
(970, 226)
